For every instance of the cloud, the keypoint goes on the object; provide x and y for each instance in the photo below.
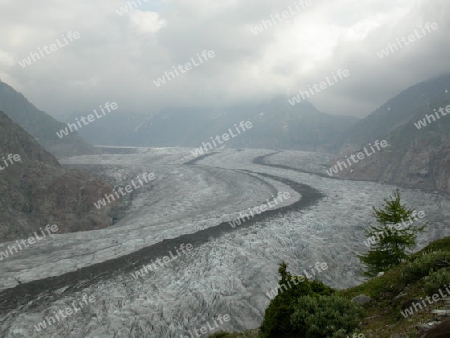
(6, 59)
(118, 56)
(147, 22)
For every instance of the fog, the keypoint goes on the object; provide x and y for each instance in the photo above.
(123, 47)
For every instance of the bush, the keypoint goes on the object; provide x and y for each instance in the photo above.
(423, 265)
(435, 281)
(325, 316)
(277, 322)
(321, 288)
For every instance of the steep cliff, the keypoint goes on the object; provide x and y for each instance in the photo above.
(418, 155)
(35, 190)
(396, 112)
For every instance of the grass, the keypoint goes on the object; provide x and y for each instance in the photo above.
(389, 292)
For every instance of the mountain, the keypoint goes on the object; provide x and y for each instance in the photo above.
(396, 112)
(275, 124)
(35, 190)
(419, 152)
(40, 125)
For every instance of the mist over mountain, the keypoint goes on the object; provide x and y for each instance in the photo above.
(276, 125)
(40, 125)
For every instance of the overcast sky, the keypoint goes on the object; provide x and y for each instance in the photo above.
(117, 57)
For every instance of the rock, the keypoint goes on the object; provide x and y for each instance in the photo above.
(400, 295)
(441, 313)
(37, 191)
(439, 331)
(381, 273)
(426, 327)
(361, 299)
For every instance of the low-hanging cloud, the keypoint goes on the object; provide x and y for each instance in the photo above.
(118, 56)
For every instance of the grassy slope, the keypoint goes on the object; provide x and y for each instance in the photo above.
(388, 293)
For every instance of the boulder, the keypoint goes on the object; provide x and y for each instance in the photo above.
(361, 299)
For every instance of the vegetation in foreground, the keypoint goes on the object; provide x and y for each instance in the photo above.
(313, 310)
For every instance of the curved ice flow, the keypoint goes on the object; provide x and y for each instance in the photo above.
(182, 199)
(231, 274)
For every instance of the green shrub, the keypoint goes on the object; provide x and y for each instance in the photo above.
(424, 265)
(321, 288)
(277, 322)
(437, 280)
(325, 316)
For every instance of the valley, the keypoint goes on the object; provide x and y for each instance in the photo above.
(229, 270)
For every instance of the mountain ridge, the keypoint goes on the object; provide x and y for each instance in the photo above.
(40, 125)
(396, 112)
(36, 190)
(418, 157)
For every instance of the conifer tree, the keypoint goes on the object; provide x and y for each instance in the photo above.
(395, 233)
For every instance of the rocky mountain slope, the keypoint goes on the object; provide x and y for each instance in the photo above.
(35, 190)
(276, 124)
(40, 125)
(419, 154)
(396, 112)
